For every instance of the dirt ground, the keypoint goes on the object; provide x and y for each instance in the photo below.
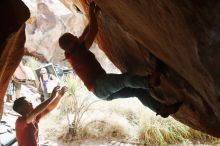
(99, 142)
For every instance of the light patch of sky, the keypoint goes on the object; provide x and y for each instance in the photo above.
(56, 6)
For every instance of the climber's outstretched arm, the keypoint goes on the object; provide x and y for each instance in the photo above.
(92, 26)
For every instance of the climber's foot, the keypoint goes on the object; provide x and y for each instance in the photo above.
(160, 67)
(154, 79)
(167, 110)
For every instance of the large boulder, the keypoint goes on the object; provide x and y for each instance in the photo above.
(13, 14)
(184, 35)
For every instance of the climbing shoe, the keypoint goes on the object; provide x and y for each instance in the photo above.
(167, 110)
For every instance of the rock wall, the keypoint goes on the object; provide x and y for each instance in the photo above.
(13, 14)
(183, 35)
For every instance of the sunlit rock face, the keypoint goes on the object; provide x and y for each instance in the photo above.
(182, 34)
(49, 20)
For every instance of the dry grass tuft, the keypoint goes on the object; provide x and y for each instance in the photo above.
(82, 116)
(159, 131)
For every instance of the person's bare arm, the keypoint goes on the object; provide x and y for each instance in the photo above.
(41, 83)
(93, 26)
(85, 32)
(54, 103)
(34, 113)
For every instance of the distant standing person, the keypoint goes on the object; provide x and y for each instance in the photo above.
(20, 75)
(47, 83)
(10, 92)
(109, 86)
(27, 124)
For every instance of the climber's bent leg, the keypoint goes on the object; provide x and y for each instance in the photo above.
(109, 84)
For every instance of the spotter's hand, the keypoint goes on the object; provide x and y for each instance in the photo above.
(55, 91)
(62, 91)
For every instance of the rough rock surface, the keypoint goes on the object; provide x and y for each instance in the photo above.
(49, 20)
(184, 35)
(13, 14)
(42, 31)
